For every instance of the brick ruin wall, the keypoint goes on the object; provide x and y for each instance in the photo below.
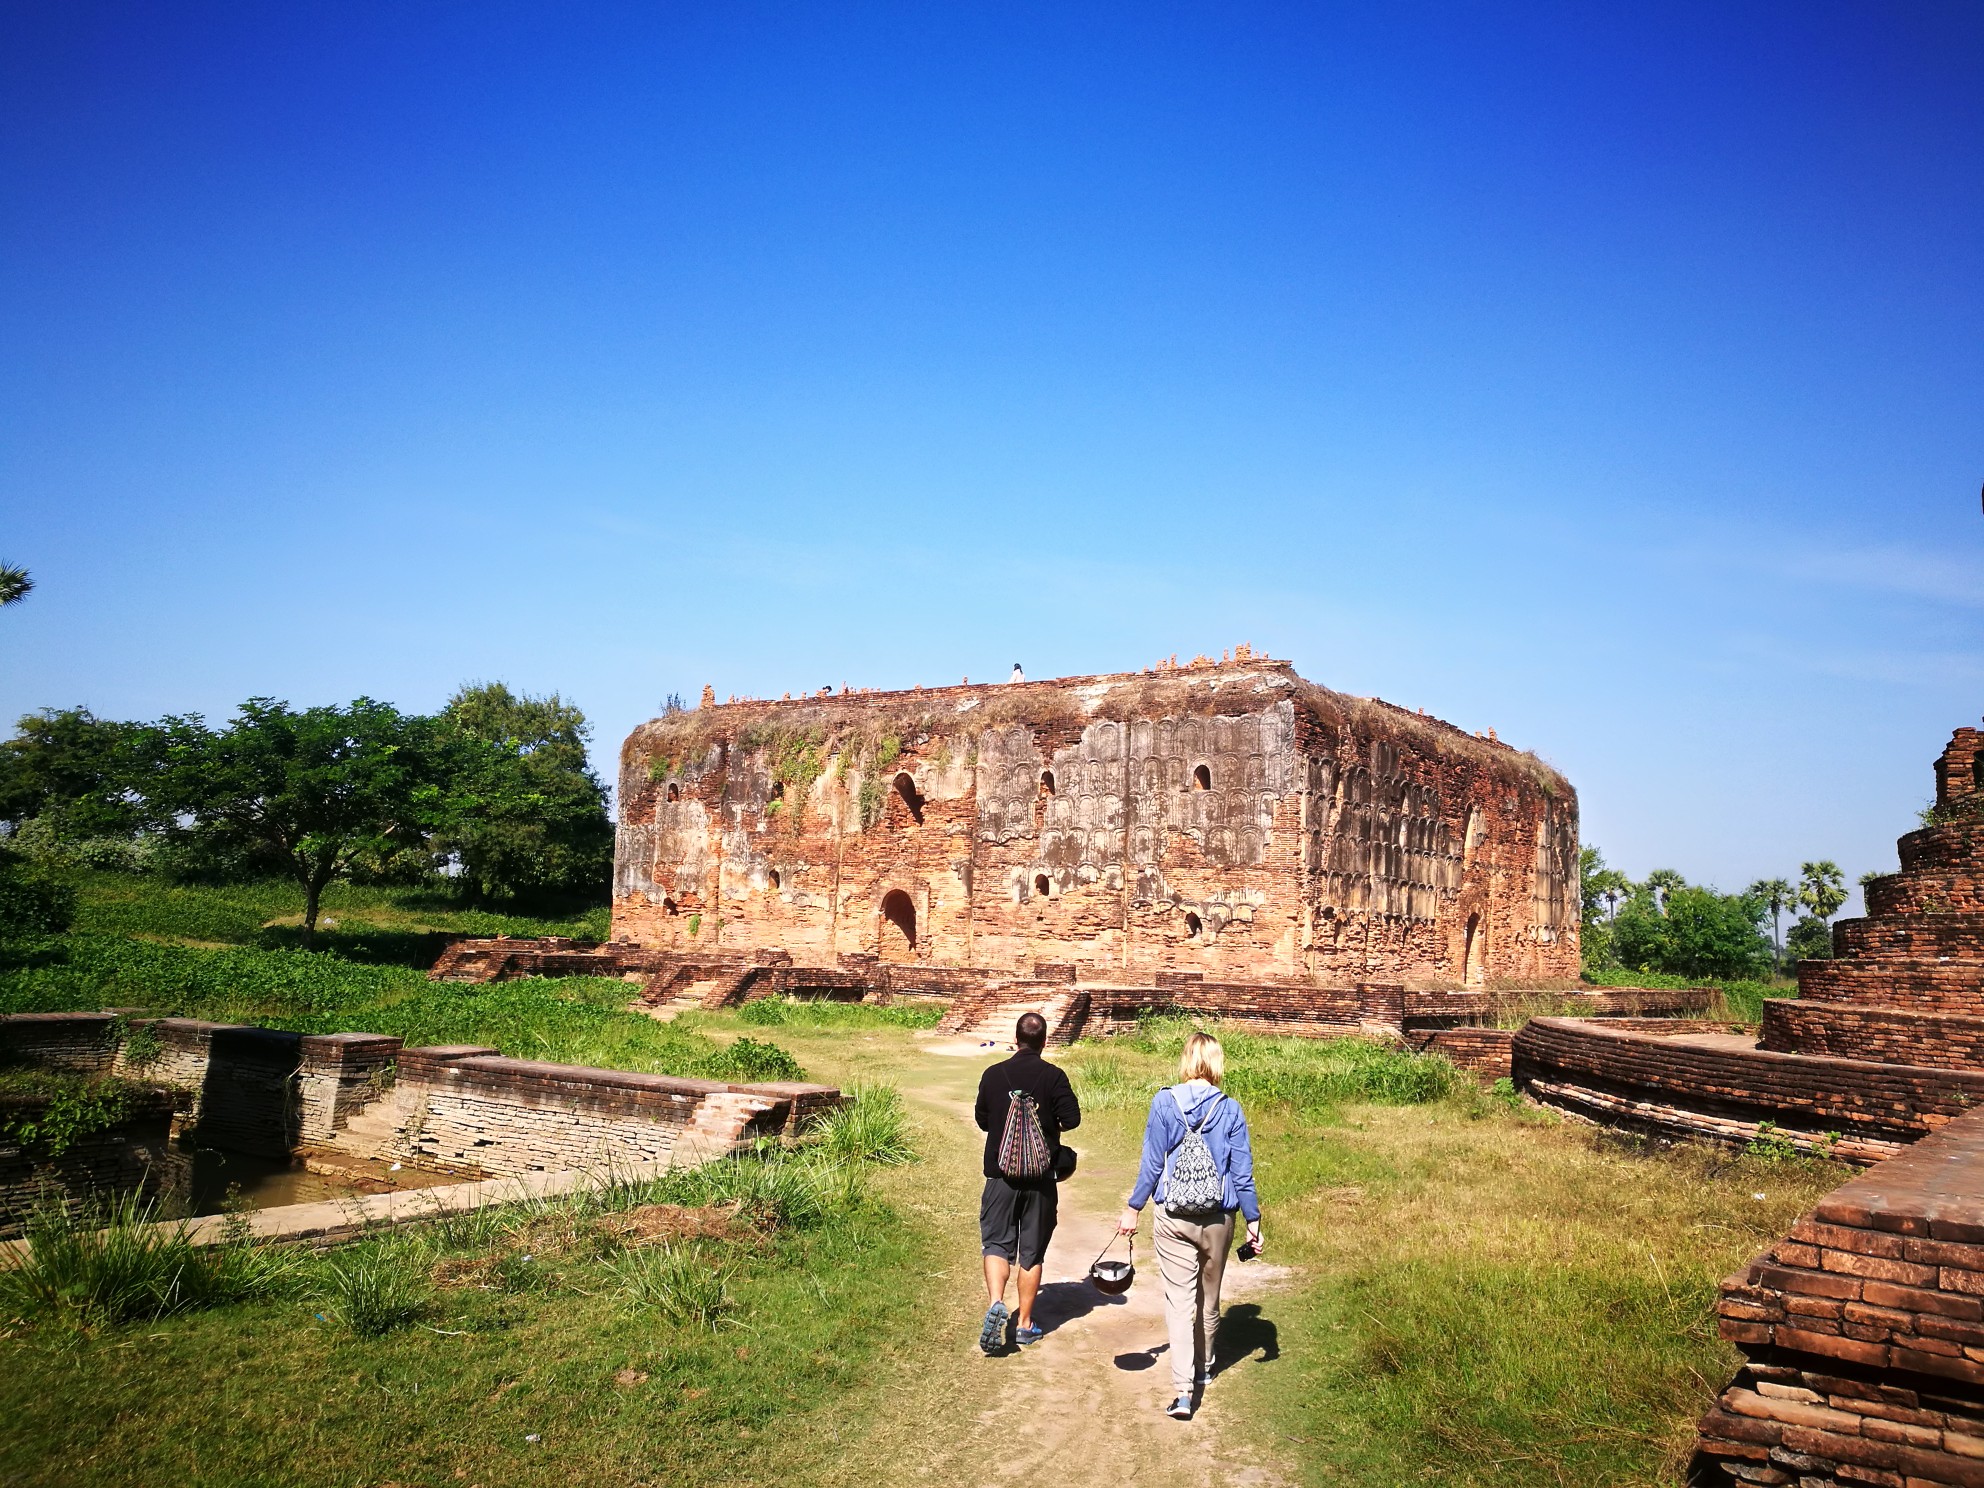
(132, 1155)
(1863, 1334)
(1906, 982)
(465, 1110)
(1234, 820)
(468, 1110)
(1723, 1090)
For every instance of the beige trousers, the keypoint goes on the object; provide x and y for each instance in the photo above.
(1191, 1258)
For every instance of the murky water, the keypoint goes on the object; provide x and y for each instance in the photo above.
(216, 1181)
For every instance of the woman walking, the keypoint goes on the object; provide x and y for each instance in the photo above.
(1200, 1166)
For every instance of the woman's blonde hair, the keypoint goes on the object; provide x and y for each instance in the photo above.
(1203, 1059)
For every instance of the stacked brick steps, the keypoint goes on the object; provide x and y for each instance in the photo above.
(992, 1013)
(1864, 1331)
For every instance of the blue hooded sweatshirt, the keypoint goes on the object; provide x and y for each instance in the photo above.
(1224, 1127)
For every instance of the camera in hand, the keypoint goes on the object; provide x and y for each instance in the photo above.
(1247, 1251)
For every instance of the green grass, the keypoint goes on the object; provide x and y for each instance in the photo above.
(374, 923)
(824, 1013)
(1741, 1001)
(1308, 1076)
(538, 1344)
(571, 1020)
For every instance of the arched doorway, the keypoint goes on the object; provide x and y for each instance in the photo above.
(911, 797)
(1472, 953)
(898, 927)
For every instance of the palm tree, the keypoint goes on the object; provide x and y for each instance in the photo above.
(1777, 896)
(1662, 882)
(14, 583)
(1822, 887)
(1612, 886)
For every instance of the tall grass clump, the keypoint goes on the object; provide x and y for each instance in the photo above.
(1298, 1074)
(824, 1013)
(677, 1281)
(872, 1126)
(377, 1293)
(113, 1262)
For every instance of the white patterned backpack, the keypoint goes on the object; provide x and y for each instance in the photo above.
(1196, 1185)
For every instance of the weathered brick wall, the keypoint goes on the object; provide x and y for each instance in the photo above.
(1886, 1035)
(1282, 1008)
(1724, 1090)
(84, 1043)
(1487, 1052)
(132, 1156)
(1327, 836)
(466, 1109)
(1864, 1330)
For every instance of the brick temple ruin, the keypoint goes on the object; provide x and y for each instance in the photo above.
(1228, 819)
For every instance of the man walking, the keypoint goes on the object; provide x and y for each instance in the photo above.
(1024, 1104)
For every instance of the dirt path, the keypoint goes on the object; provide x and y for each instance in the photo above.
(1085, 1405)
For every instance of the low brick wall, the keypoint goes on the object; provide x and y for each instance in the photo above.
(466, 1109)
(1296, 1008)
(1889, 1035)
(1595, 1069)
(1864, 1332)
(1487, 1052)
(1458, 1009)
(132, 1156)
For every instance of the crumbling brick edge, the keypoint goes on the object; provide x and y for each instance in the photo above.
(341, 1221)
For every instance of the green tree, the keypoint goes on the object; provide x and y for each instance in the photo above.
(73, 771)
(1821, 887)
(1662, 882)
(1693, 932)
(31, 903)
(316, 790)
(530, 815)
(15, 585)
(1776, 895)
(1810, 940)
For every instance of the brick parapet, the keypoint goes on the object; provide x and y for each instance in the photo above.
(1883, 1035)
(84, 1043)
(465, 1109)
(1634, 1071)
(1486, 1052)
(1864, 1329)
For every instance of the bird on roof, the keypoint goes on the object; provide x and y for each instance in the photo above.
(1018, 675)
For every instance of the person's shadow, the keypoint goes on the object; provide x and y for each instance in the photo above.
(1243, 1332)
(1063, 1301)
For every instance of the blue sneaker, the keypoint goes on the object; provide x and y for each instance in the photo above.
(1180, 1409)
(992, 1336)
(1025, 1336)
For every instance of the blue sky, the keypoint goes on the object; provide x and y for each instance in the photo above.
(1608, 375)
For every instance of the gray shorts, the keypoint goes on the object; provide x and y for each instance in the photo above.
(1017, 1221)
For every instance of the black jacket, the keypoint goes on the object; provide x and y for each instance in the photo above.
(1046, 1083)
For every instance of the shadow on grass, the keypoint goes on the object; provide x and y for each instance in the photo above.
(379, 947)
(1243, 1332)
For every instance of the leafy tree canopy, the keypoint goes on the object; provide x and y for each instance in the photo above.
(1692, 932)
(74, 771)
(529, 815)
(316, 790)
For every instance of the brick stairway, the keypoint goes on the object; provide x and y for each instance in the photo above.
(990, 1014)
